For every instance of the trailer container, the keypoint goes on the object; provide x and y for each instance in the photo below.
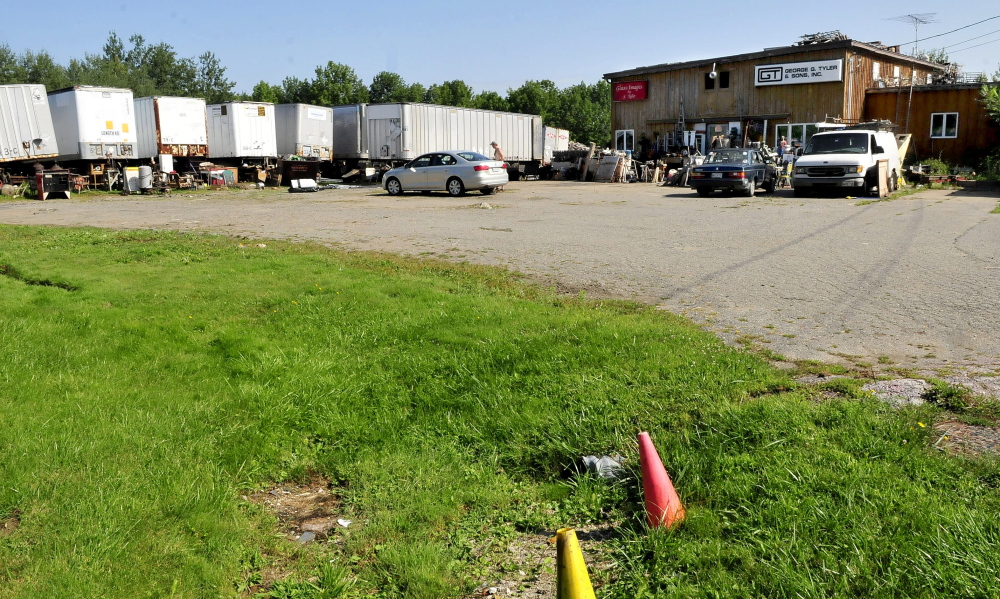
(304, 130)
(26, 131)
(556, 140)
(402, 131)
(241, 130)
(93, 123)
(350, 132)
(172, 126)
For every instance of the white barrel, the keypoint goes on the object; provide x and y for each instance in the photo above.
(145, 177)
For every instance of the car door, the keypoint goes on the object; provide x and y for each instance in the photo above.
(441, 169)
(414, 176)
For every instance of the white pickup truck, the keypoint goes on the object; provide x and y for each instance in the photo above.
(846, 160)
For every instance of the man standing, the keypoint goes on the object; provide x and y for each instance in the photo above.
(497, 155)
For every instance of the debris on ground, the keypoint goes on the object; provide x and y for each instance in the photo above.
(306, 512)
(608, 467)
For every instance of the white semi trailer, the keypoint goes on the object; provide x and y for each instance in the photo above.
(93, 123)
(26, 131)
(388, 134)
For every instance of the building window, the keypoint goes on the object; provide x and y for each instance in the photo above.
(944, 125)
(876, 71)
(625, 140)
(723, 78)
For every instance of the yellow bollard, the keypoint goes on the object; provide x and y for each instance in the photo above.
(573, 580)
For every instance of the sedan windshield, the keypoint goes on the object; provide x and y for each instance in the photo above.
(473, 156)
(843, 143)
(731, 157)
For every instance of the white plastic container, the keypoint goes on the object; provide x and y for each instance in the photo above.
(93, 122)
(241, 130)
(26, 131)
(170, 125)
(304, 130)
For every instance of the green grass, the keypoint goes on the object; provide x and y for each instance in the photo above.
(149, 380)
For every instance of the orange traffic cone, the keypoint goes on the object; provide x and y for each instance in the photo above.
(663, 506)
(573, 582)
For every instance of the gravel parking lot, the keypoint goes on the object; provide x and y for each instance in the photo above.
(910, 282)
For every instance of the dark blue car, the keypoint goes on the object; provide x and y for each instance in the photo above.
(734, 170)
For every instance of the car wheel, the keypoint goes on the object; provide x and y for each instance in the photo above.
(769, 186)
(455, 187)
(703, 192)
(487, 190)
(393, 186)
(752, 190)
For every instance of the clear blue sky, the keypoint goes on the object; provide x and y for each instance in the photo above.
(490, 45)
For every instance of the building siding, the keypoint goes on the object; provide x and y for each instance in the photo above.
(977, 134)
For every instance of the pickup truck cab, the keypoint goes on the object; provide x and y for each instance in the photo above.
(846, 160)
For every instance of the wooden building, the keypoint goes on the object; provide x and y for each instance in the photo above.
(948, 122)
(758, 96)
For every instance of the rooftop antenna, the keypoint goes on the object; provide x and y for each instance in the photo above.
(916, 20)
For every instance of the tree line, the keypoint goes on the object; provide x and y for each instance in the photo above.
(156, 69)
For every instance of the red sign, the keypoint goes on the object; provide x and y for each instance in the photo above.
(628, 91)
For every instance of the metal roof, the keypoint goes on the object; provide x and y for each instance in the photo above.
(774, 52)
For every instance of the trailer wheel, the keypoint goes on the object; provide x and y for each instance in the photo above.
(393, 186)
(455, 187)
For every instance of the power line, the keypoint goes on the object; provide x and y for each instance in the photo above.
(977, 45)
(970, 39)
(952, 31)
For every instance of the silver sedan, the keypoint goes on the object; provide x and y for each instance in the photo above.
(454, 172)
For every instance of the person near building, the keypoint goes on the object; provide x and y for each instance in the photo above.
(782, 146)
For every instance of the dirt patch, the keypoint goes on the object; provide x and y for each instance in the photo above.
(967, 439)
(306, 512)
(529, 567)
(9, 524)
(900, 392)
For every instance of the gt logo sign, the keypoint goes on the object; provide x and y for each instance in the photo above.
(820, 71)
(768, 74)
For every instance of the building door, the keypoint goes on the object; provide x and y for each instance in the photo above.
(720, 130)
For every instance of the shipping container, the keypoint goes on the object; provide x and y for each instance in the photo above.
(304, 130)
(556, 140)
(350, 132)
(170, 126)
(402, 131)
(241, 130)
(93, 123)
(26, 131)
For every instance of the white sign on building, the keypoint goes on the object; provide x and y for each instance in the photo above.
(821, 71)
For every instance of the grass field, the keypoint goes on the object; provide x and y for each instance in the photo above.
(150, 381)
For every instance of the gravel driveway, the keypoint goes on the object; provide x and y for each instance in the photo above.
(912, 282)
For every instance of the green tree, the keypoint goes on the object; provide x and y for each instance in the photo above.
(388, 87)
(296, 91)
(585, 110)
(450, 93)
(490, 101)
(210, 80)
(167, 74)
(40, 68)
(989, 95)
(535, 97)
(416, 93)
(11, 68)
(337, 84)
(265, 92)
